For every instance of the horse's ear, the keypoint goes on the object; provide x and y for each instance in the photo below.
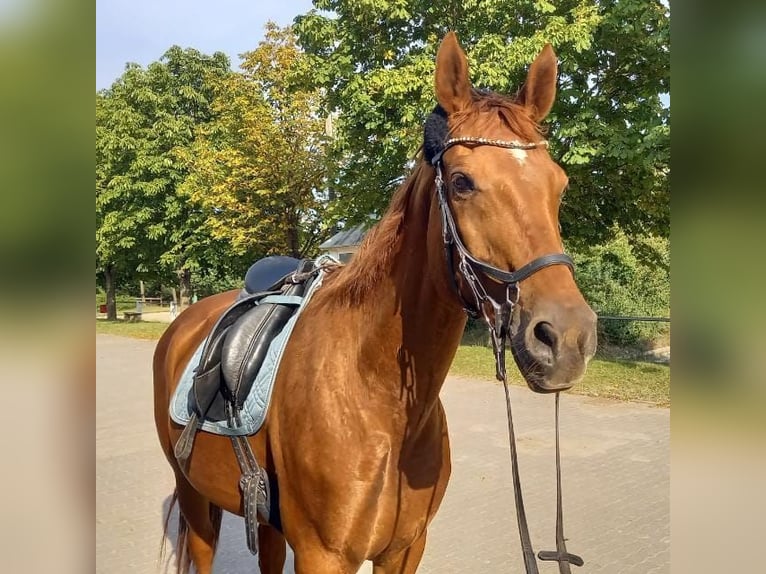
(453, 87)
(539, 91)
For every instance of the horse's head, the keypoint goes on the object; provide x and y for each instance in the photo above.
(504, 191)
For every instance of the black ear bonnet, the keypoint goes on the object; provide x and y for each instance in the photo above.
(435, 133)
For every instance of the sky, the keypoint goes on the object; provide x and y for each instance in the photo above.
(142, 30)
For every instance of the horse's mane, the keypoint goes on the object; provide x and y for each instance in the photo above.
(351, 282)
(374, 258)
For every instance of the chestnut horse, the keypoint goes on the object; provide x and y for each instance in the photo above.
(356, 435)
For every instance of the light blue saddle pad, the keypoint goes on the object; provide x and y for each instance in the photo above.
(257, 402)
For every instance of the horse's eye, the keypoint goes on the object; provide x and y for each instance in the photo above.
(462, 183)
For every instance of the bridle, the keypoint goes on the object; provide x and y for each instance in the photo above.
(497, 316)
(467, 263)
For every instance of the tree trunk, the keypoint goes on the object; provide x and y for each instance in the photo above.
(111, 299)
(293, 236)
(184, 282)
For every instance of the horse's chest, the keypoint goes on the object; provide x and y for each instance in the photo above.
(412, 494)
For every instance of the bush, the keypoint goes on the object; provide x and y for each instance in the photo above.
(615, 281)
(206, 284)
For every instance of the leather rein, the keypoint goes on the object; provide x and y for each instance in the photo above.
(497, 316)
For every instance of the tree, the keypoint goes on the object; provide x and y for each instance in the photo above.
(612, 129)
(121, 247)
(259, 168)
(144, 122)
(375, 60)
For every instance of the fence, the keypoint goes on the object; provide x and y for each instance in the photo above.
(614, 331)
(630, 318)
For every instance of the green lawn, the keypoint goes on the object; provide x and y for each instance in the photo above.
(625, 380)
(131, 306)
(140, 330)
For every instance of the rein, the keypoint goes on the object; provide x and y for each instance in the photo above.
(497, 316)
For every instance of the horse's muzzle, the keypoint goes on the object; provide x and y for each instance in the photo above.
(552, 347)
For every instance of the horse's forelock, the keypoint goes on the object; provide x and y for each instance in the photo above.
(515, 116)
(435, 133)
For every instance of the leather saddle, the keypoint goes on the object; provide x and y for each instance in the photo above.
(237, 345)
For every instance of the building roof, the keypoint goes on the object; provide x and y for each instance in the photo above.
(346, 237)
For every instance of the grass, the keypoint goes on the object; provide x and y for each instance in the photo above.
(139, 330)
(615, 379)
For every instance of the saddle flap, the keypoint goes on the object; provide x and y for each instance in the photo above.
(248, 341)
(234, 352)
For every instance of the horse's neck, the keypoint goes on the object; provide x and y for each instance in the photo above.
(413, 316)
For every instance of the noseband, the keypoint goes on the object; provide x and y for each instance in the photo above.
(468, 265)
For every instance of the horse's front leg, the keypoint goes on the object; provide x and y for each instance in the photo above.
(403, 562)
(318, 560)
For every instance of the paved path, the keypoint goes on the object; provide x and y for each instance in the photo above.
(615, 460)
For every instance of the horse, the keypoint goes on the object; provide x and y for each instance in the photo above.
(356, 436)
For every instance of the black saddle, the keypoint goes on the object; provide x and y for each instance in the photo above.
(232, 356)
(237, 344)
(268, 273)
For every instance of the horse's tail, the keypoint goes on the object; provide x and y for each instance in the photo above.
(183, 558)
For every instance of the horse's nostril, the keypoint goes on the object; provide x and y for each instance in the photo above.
(545, 333)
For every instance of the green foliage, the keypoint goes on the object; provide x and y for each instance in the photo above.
(210, 283)
(258, 169)
(200, 171)
(615, 281)
(375, 61)
(623, 380)
(144, 122)
(611, 129)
